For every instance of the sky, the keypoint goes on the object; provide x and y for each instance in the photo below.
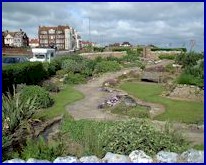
(164, 24)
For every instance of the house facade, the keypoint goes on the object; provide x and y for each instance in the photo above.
(34, 42)
(16, 39)
(60, 37)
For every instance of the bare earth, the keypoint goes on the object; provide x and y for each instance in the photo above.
(87, 107)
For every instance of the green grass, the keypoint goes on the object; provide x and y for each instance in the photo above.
(137, 111)
(61, 99)
(181, 111)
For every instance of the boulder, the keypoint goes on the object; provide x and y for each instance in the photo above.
(32, 160)
(167, 157)
(193, 156)
(90, 159)
(115, 158)
(16, 160)
(139, 156)
(66, 159)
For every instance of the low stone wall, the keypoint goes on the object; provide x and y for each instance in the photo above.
(137, 156)
(188, 92)
(16, 51)
(104, 54)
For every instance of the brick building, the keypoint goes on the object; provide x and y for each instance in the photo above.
(61, 37)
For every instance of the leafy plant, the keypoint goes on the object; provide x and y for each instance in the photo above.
(126, 136)
(74, 78)
(15, 109)
(40, 149)
(107, 66)
(43, 99)
(50, 86)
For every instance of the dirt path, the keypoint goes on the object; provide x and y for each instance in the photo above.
(87, 107)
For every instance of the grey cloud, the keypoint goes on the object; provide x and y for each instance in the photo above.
(136, 22)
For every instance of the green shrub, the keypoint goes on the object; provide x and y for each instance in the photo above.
(74, 78)
(50, 86)
(43, 99)
(61, 73)
(190, 79)
(39, 149)
(166, 56)
(107, 66)
(71, 65)
(169, 49)
(127, 136)
(170, 68)
(86, 133)
(28, 73)
(15, 109)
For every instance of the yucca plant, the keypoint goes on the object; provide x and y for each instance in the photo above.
(15, 109)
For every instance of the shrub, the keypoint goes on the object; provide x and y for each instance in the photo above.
(28, 73)
(60, 73)
(15, 109)
(190, 79)
(74, 78)
(43, 99)
(170, 68)
(39, 149)
(50, 86)
(126, 136)
(166, 56)
(107, 66)
(71, 65)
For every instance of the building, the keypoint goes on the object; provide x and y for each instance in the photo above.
(15, 39)
(87, 43)
(126, 44)
(34, 42)
(60, 37)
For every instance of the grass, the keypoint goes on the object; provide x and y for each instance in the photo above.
(181, 111)
(137, 111)
(61, 99)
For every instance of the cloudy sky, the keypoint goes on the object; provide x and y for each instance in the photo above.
(162, 24)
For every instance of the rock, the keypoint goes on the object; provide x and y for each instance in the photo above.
(16, 160)
(167, 157)
(32, 160)
(90, 159)
(66, 159)
(115, 158)
(61, 79)
(193, 156)
(139, 156)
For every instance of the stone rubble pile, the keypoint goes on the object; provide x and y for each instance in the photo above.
(137, 156)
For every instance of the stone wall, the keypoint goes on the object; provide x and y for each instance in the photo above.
(104, 54)
(16, 51)
(137, 156)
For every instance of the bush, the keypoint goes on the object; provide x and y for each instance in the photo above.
(189, 79)
(127, 136)
(50, 86)
(15, 109)
(39, 149)
(74, 78)
(71, 65)
(170, 68)
(43, 99)
(166, 56)
(107, 66)
(28, 73)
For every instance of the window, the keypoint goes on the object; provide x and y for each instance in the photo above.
(43, 32)
(51, 31)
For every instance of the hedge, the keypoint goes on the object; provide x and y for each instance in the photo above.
(26, 73)
(169, 49)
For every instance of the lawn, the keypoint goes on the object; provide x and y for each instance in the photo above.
(61, 99)
(181, 111)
